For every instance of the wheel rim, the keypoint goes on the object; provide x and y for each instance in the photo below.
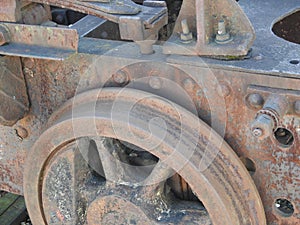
(225, 187)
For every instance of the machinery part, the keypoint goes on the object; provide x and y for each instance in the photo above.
(268, 119)
(215, 20)
(4, 35)
(13, 94)
(24, 12)
(40, 42)
(225, 187)
(136, 22)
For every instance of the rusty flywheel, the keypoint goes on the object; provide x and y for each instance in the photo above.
(98, 164)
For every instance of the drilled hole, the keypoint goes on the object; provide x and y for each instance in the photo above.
(288, 28)
(284, 207)
(294, 62)
(284, 137)
(249, 164)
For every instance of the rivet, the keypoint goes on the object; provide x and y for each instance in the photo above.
(223, 90)
(21, 132)
(120, 77)
(155, 83)
(255, 100)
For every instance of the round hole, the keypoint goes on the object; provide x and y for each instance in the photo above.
(294, 62)
(284, 207)
(249, 164)
(284, 137)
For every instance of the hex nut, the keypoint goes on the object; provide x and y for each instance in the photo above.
(4, 35)
(186, 38)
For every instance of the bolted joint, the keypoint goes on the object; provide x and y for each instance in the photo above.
(263, 126)
(267, 119)
(222, 36)
(186, 36)
(4, 35)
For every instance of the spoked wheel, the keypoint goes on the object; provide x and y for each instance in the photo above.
(129, 157)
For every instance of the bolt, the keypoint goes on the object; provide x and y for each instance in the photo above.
(120, 77)
(188, 84)
(21, 132)
(257, 132)
(222, 35)
(155, 83)
(263, 126)
(255, 101)
(297, 107)
(4, 35)
(186, 36)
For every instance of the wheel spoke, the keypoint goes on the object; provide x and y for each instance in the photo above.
(111, 167)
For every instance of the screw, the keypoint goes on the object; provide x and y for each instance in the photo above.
(120, 77)
(255, 100)
(257, 132)
(186, 36)
(4, 35)
(155, 83)
(297, 107)
(222, 36)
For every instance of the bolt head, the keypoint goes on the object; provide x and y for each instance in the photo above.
(255, 101)
(223, 90)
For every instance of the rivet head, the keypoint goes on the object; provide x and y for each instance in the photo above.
(120, 77)
(223, 90)
(21, 132)
(255, 100)
(155, 83)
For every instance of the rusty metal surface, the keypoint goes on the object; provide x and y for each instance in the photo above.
(203, 18)
(228, 194)
(39, 42)
(147, 21)
(270, 54)
(13, 93)
(274, 167)
(24, 12)
(270, 160)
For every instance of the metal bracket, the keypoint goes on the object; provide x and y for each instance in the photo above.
(220, 29)
(37, 41)
(137, 22)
